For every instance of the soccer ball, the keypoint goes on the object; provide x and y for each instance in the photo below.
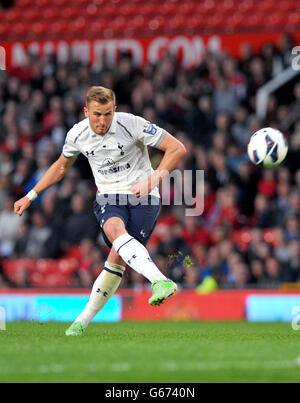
(267, 147)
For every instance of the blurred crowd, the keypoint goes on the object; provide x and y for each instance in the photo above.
(249, 232)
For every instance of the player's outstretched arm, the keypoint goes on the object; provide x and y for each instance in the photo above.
(53, 175)
(173, 150)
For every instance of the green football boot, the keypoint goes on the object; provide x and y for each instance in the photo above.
(162, 290)
(76, 329)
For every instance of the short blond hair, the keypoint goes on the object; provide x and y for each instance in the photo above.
(100, 94)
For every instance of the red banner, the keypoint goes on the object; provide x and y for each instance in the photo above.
(189, 305)
(190, 50)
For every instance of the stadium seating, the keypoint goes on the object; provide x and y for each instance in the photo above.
(28, 18)
(41, 272)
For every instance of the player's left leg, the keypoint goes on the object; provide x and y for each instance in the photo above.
(104, 287)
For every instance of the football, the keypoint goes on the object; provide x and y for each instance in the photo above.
(267, 147)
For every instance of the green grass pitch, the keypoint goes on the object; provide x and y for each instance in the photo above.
(151, 352)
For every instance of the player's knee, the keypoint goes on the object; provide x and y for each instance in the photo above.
(113, 228)
(116, 260)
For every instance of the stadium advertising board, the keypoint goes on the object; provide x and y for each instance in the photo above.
(55, 307)
(189, 49)
(226, 305)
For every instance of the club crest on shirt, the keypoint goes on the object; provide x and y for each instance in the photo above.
(120, 147)
(150, 128)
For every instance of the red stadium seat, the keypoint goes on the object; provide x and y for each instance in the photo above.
(242, 238)
(287, 5)
(196, 22)
(110, 10)
(265, 6)
(97, 27)
(187, 9)
(138, 22)
(209, 6)
(270, 236)
(59, 3)
(5, 29)
(78, 26)
(20, 29)
(148, 9)
(155, 24)
(255, 21)
(176, 22)
(159, 17)
(215, 22)
(51, 13)
(45, 266)
(128, 10)
(294, 18)
(245, 6)
(32, 14)
(118, 23)
(38, 29)
(229, 7)
(52, 273)
(275, 20)
(92, 11)
(83, 3)
(25, 3)
(57, 28)
(168, 9)
(66, 266)
(9, 267)
(42, 4)
(12, 15)
(236, 21)
(56, 280)
(13, 267)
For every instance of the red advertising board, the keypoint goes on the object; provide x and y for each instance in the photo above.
(189, 49)
(186, 305)
(189, 305)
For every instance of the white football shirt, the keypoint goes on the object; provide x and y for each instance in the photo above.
(119, 158)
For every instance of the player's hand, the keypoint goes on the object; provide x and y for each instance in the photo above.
(21, 205)
(142, 188)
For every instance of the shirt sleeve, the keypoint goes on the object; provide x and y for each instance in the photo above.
(70, 148)
(148, 133)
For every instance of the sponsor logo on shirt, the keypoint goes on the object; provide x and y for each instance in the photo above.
(114, 169)
(107, 162)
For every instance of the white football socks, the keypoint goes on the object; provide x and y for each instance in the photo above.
(104, 287)
(137, 257)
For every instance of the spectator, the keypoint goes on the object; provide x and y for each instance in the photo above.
(293, 266)
(282, 202)
(267, 185)
(38, 236)
(274, 272)
(292, 229)
(80, 224)
(281, 250)
(239, 129)
(258, 248)
(211, 109)
(263, 216)
(257, 272)
(9, 226)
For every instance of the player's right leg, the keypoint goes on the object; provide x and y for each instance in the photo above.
(137, 257)
(104, 287)
(132, 250)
